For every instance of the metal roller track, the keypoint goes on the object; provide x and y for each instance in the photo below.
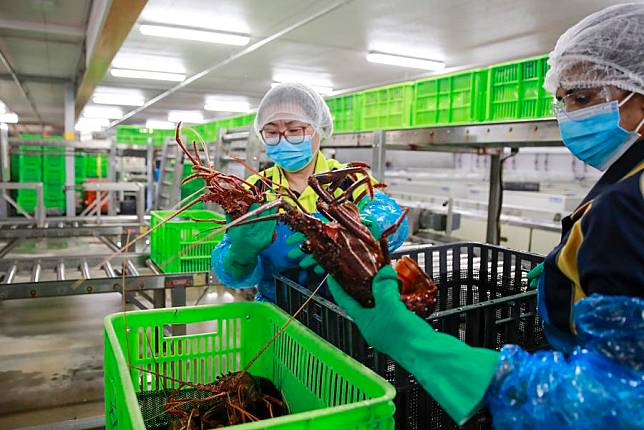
(58, 276)
(64, 229)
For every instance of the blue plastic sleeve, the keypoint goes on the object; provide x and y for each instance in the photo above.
(218, 268)
(599, 385)
(384, 211)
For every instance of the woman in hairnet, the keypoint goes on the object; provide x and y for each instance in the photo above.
(292, 120)
(591, 288)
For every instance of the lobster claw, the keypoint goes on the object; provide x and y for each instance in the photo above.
(417, 290)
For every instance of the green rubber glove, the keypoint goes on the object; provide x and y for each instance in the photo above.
(454, 374)
(534, 276)
(306, 261)
(246, 242)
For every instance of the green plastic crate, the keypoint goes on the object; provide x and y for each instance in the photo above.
(387, 107)
(458, 98)
(242, 120)
(27, 200)
(346, 112)
(53, 162)
(182, 244)
(80, 168)
(515, 90)
(323, 387)
(97, 166)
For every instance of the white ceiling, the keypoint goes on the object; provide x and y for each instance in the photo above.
(43, 42)
(329, 51)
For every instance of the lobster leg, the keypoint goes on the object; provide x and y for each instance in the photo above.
(392, 228)
(335, 177)
(349, 191)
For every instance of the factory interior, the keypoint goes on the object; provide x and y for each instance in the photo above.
(112, 300)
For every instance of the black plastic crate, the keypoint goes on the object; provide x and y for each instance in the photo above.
(482, 300)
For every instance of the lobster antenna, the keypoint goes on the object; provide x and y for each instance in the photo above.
(203, 143)
(177, 138)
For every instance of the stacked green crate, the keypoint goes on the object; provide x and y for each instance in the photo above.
(132, 135)
(54, 177)
(242, 120)
(29, 170)
(159, 137)
(80, 168)
(346, 112)
(515, 90)
(97, 165)
(387, 107)
(458, 98)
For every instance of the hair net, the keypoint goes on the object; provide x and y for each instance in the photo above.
(605, 48)
(295, 102)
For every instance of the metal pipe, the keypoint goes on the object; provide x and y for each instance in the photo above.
(84, 268)
(140, 201)
(40, 206)
(450, 214)
(11, 274)
(109, 270)
(252, 48)
(494, 200)
(61, 271)
(378, 165)
(35, 273)
(131, 268)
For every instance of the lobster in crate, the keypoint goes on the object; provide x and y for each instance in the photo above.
(234, 398)
(345, 248)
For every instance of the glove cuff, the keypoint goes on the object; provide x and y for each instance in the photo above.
(455, 374)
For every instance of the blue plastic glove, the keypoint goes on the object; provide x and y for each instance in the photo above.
(307, 261)
(453, 373)
(534, 276)
(246, 242)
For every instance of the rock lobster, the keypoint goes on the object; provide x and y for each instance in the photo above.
(345, 248)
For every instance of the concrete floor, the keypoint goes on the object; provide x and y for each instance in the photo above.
(51, 349)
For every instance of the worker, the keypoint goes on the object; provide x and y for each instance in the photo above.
(591, 287)
(292, 120)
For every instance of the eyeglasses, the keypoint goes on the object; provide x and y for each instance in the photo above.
(295, 135)
(581, 98)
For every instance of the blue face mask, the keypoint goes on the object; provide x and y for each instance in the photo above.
(593, 134)
(289, 156)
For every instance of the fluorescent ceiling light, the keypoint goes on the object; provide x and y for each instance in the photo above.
(91, 124)
(227, 106)
(191, 34)
(148, 62)
(321, 90)
(9, 118)
(144, 74)
(194, 116)
(411, 62)
(109, 112)
(159, 124)
(118, 99)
